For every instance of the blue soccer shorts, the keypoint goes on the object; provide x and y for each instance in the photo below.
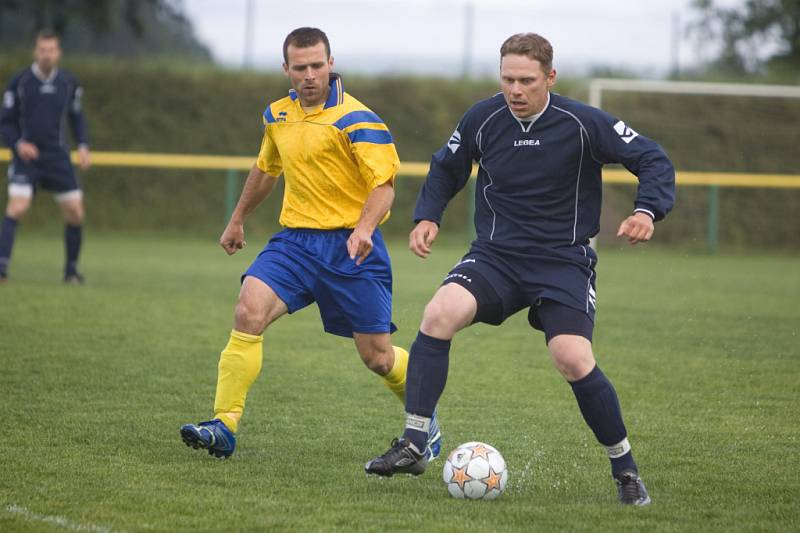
(559, 291)
(304, 266)
(52, 171)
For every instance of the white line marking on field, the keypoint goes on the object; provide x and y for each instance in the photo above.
(59, 521)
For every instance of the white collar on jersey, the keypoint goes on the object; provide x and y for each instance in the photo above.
(39, 74)
(527, 122)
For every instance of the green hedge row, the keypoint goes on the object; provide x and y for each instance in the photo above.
(188, 108)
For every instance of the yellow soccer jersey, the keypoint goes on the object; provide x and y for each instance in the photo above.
(331, 158)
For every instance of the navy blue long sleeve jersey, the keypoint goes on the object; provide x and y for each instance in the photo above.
(36, 109)
(539, 182)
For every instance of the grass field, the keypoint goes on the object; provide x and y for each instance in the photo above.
(96, 380)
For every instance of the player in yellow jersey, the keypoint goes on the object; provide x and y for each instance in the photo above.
(339, 162)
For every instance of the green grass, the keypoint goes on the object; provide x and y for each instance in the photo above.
(96, 380)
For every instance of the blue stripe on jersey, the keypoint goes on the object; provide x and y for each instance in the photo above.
(268, 115)
(354, 117)
(370, 136)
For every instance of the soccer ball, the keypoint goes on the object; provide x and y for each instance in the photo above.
(475, 471)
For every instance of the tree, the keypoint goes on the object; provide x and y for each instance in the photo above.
(757, 36)
(108, 27)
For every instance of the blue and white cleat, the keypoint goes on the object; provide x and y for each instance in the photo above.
(434, 439)
(213, 436)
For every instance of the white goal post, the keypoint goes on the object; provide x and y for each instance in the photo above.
(599, 85)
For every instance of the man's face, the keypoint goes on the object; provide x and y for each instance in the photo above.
(309, 72)
(47, 54)
(525, 85)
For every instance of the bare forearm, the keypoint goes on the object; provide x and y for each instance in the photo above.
(258, 186)
(377, 205)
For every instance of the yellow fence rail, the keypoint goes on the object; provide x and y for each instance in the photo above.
(235, 164)
(238, 163)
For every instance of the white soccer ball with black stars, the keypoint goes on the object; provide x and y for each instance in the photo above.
(475, 471)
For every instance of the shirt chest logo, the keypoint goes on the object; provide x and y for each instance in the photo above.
(47, 88)
(527, 142)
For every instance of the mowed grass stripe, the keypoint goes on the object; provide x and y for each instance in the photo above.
(97, 379)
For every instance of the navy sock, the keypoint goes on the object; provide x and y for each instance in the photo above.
(600, 408)
(426, 377)
(72, 243)
(7, 233)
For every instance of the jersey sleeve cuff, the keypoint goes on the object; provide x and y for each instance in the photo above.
(645, 211)
(419, 217)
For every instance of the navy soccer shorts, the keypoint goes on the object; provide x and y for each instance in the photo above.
(52, 171)
(559, 293)
(304, 266)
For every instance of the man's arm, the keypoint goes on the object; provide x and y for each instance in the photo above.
(79, 128)
(615, 142)
(378, 203)
(258, 186)
(450, 169)
(448, 173)
(10, 124)
(9, 116)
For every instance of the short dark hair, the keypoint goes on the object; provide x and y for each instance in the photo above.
(47, 33)
(304, 38)
(532, 45)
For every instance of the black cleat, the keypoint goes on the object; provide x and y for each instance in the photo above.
(401, 458)
(630, 488)
(73, 279)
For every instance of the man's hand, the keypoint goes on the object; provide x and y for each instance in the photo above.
(421, 238)
(84, 159)
(27, 151)
(637, 228)
(359, 245)
(232, 239)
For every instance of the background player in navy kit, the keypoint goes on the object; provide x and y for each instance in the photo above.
(538, 201)
(32, 122)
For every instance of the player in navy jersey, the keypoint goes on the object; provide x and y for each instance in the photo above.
(36, 106)
(537, 204)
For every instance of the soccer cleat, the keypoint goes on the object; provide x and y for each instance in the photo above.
(434, 439)
(73, 279)
(401, 458)
(213, 436)
(630, 488)
(3, 277)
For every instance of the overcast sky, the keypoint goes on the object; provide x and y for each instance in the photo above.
(428, 36)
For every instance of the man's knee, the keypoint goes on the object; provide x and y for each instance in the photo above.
(250, 316)
(72, 210)
(17, 207)
(443, 318)
(74, 216)
(378, 359)
(572, 355)
(258, 307)
(434, 316)
(376, 351)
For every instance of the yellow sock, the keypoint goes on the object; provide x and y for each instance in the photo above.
(396, 378)
(239, 366)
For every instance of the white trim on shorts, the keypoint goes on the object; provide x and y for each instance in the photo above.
(66, 196)
(20, 190)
